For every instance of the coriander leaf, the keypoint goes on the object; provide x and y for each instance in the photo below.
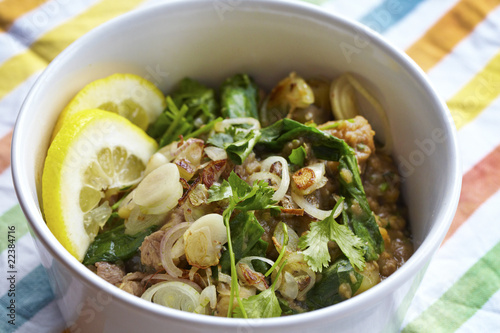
(263, 305)
(315, 245)
(349, 243)
(328, 291)
(220, 192)
(239, 187)
(115, 245)
(298, 156)
(316, 241)
(239, 97)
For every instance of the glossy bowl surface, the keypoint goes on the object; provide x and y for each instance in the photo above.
(209, 41)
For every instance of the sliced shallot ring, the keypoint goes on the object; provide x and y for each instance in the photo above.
(310, 209)
(165, 277)
(285, 176)
(223, 125)
(167, 242)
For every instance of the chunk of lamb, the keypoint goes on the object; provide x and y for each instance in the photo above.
(110, 272)
(132, 283)
(150, 249)
(357, 133)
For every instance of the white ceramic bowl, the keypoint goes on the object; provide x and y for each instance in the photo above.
(211, 40)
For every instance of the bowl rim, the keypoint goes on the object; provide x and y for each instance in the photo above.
(366, 299)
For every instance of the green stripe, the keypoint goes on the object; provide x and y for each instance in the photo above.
(14, 217)
(463, 299)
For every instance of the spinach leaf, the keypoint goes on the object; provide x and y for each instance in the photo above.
(324, 146)
(298, 156)
(327, 147)
(337, 281)
(115, 245)
(246, 233)
(239, 97)
(358, 215)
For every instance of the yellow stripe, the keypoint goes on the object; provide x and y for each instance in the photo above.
(474, 97)
(20, 67)
(10, 10)
(455, 25)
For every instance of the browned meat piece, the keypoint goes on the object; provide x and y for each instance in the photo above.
(357, 133)
(248, 167)
(132, 283)
(150, 249)
(132, 287)
(135, 276)
(110, 272)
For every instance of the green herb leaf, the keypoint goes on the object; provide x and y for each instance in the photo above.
(263, 305)
(298, 156)
(219, 192)
(328, 147)
(238, 142)
(115, 245)
(338, 282)
(315, 243)
(246, 233)
(239, 97)
(198, 98)
(189, 108)
(358, 214)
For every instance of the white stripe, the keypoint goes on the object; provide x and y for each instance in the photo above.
(8, 197)
(485, 319)
(352, 9)
(47, 320)
(444, 270)
(479, 137)
(32, 25)
(404, 33)
(27, 258)
(468, 58)
(11, 104)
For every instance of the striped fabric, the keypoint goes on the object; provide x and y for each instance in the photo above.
(456, 42)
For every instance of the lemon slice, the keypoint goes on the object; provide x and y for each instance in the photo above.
(129, 95)
(95, 152)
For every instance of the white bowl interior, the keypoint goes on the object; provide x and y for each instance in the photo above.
(266, 40)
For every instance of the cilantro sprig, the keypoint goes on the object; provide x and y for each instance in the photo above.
(315, 243)
(263, 305)
(241, 197)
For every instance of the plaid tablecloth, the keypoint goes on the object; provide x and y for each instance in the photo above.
(456, 42)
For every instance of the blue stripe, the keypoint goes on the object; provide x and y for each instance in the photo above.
(32, 294)
(388, 13)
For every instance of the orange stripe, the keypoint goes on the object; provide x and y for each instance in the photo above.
(454, 26)
(478, 184)
(5, 143)
(10, 10)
